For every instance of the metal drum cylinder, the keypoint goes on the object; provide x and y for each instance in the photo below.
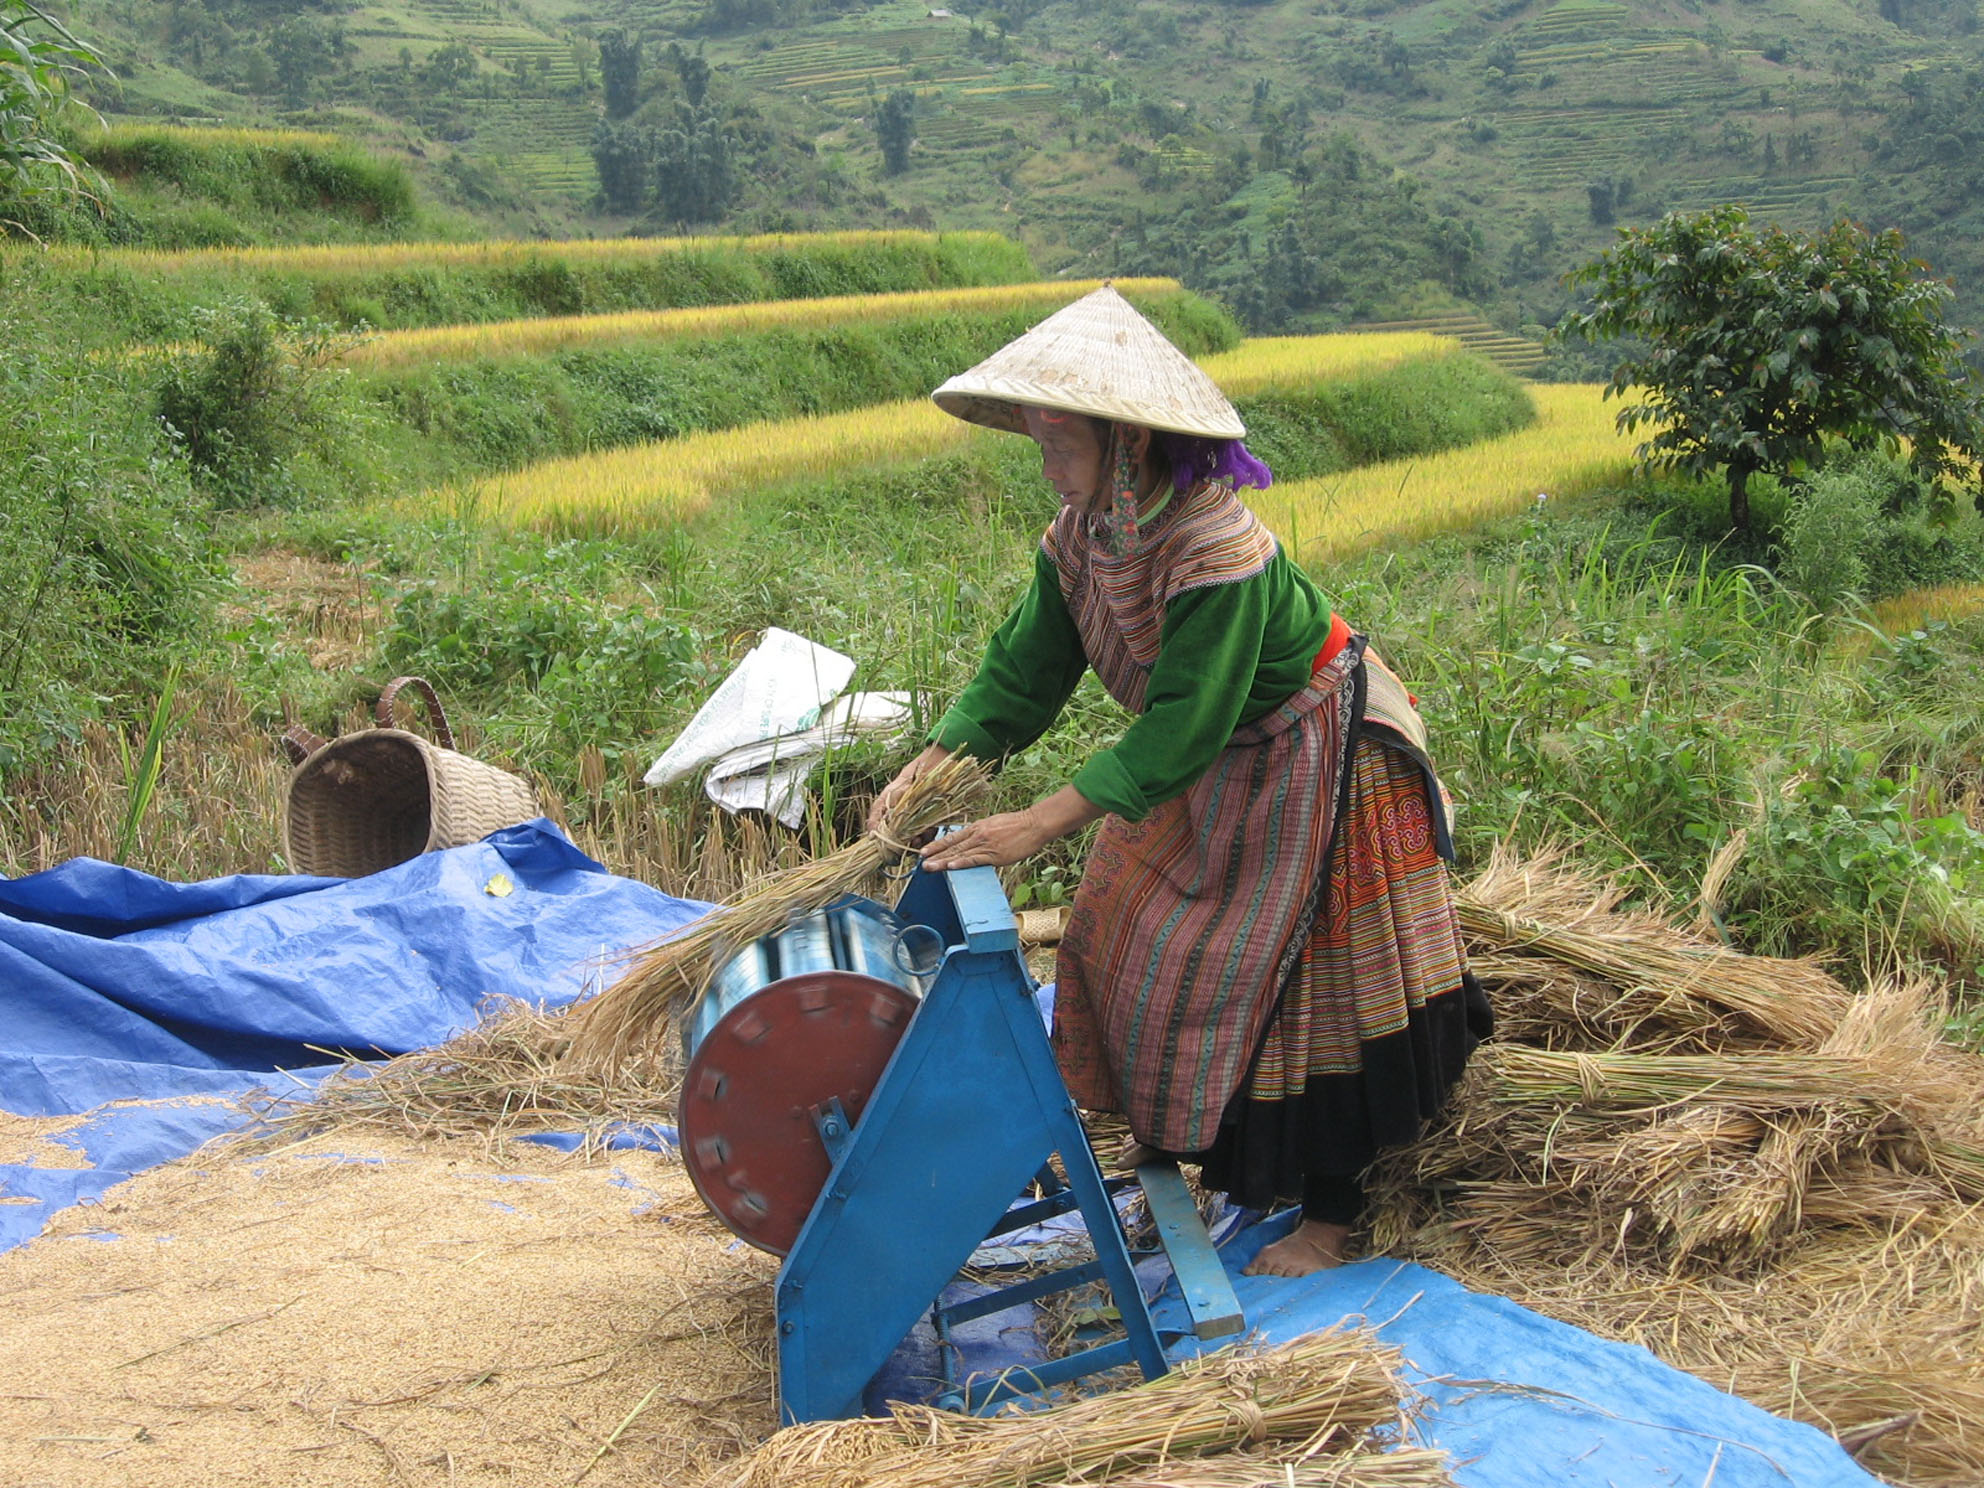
(808, 1014)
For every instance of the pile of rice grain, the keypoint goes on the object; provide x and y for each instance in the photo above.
(384, 1312)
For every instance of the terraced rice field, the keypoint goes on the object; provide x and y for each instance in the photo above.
(1511, 353)
(1578, 15)
(666, 481)
(1572, 447)
(331, 259)
(649, 485)
(542, 334)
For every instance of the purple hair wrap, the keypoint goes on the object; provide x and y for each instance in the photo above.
(1194, 459)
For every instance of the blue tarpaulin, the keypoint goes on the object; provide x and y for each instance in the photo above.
(119, 987)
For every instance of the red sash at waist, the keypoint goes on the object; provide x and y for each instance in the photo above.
(1335, 641)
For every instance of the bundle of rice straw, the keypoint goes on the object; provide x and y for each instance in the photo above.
(1573, 971)
(1766, 1179)
(1327, 1408)
(630, 1020)
(506, 1076)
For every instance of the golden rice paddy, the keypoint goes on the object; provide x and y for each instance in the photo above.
(639, 486)
(1284, 361)
(1572, 447)
(327, 259)
(671, 480)
(1920, 607)
(532, 336)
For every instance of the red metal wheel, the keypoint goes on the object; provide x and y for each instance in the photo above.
(748, 1138)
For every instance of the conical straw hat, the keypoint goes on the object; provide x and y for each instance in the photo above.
(1096, 356)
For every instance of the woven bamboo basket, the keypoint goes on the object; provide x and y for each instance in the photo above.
(370, 800)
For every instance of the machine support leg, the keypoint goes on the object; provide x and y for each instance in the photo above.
(1202, 1279)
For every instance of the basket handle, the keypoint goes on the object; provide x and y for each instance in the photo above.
(443, 735)
(299, 743)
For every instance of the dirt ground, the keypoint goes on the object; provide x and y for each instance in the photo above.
(385, 1312)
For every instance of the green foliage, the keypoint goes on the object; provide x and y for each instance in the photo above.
(1335, 238)
(1844, 840)
(1641, 696)
(255, 403)
(623, 157)
(1758, 345)
(106, 570)
(39, 59)
(695, 167)
(531, 627)
(141, 770)
(1828, 531)
(620, 71)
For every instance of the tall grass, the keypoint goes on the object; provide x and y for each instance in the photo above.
(257, 168)
(537, 336)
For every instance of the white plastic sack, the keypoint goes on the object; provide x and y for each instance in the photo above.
(770, 775)
(778, 689)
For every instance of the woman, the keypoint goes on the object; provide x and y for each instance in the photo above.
(1262, 969)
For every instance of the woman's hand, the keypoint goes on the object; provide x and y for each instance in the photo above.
(993, 842)
(905, 777)
(1012, 836)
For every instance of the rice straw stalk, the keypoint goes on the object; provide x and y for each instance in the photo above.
(630, 1019)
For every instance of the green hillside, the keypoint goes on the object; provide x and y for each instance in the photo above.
(1316, 162)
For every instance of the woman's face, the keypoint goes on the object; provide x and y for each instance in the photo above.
(1072, 452)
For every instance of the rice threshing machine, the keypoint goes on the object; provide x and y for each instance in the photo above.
(872, 1095)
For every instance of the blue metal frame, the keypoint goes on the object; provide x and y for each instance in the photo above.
(969, 1110)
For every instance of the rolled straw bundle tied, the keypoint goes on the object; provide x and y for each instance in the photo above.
(631, 1019)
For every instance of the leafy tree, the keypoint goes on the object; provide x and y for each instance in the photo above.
(620, 72)
(448, 69)
(623, 154)
(895, 127)
(694, 71)
(1756, 346)
(695, 167)
(1604, 201)
(300, 48)
(39, 59)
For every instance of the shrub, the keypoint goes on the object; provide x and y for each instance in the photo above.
(1866, 527)
(1828, 529)
(253, 401)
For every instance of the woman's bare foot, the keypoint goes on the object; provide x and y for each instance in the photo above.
(1314, 1246)
(1135, 1154)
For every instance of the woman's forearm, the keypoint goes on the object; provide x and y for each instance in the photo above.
(1067, 810)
